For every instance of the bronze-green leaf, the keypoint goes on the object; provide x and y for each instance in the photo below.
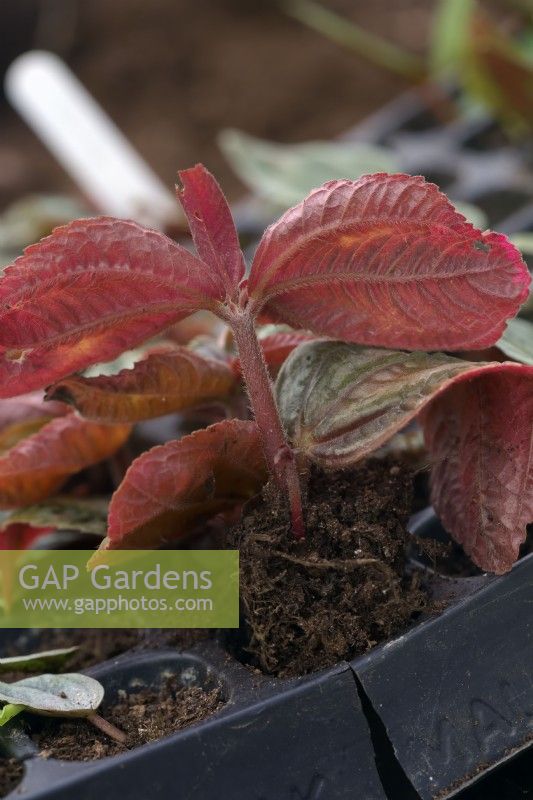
(340, 402)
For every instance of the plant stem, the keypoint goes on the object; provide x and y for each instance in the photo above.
(279, 456)
(340, 30)
(108, 728)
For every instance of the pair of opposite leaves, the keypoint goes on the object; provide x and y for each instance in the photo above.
(384, 261)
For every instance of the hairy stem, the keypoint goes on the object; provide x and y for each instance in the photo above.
(278, 454)
(108, 728)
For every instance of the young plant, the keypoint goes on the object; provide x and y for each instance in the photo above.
(382, 262)
(66, 695)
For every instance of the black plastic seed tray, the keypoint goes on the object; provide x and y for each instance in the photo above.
(272, 740)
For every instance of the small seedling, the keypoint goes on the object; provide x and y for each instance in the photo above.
(66, 695)
(381, 262)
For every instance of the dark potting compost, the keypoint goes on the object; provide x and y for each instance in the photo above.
(144, 715)
(11, 772)
(309, 604)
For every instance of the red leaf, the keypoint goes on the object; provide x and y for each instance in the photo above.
(162, 383)
(31, 406)
(36, 466)
(212, 227)
(20, 536)
(91, 290)
(387, 261)
(480, 436)
(171, 488)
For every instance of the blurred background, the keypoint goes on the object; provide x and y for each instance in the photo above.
(173, 73)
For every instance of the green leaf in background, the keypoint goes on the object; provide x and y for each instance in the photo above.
(451, 24)
(10, 711)
(517, 341)
(32, 662)
(474, 214)
(284, 174)
(63, 514)
(526, 310)
(33, 217)
(524, 242)
(68, 695)
(496, 71)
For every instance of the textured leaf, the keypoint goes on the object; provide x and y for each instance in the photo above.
(341, 402)
(67, 695)
(88, 292)
(38, 465)
(517, 341)
(37, 661)
(159, 385)
(87, 515)
(171, 488)
(480, 436)
(387, 261)
(212, 227)
(284, 173)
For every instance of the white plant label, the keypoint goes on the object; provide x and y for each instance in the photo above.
(86, 142)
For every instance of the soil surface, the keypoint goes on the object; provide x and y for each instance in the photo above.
(11, 772)
(173, 73)
(307, 605)
(144, 716)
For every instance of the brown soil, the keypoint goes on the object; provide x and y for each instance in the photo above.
(306, 605)
(144, 716)
(11, 772)
(172, 73)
